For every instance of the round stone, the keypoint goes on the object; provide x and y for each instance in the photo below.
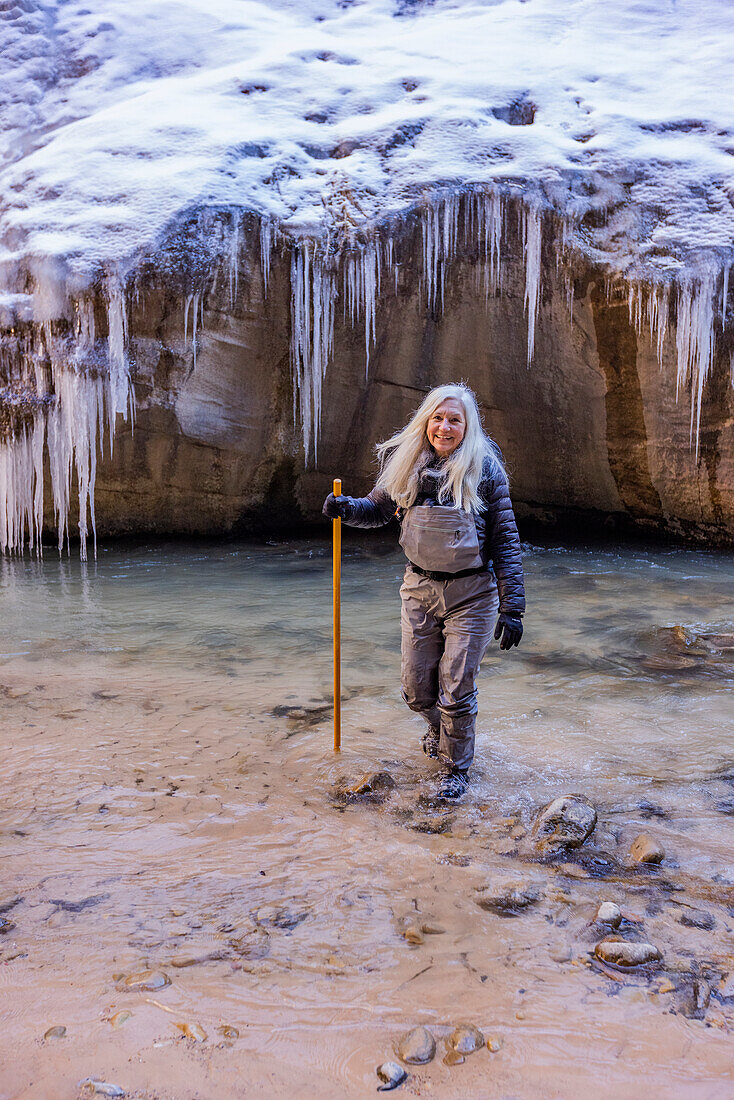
(645, 849)
(417, 1047)
(609, 913)
(623, 954)
(465, 1039)
(391, 1074)
(564, 823)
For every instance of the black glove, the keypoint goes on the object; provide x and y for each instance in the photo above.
(337, 507)
(510, 628)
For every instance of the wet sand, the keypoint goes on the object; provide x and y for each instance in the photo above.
(172, 804)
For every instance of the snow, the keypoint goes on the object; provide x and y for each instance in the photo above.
(332, 120)
(264, 106)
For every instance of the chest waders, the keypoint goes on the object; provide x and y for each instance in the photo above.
(449, 604)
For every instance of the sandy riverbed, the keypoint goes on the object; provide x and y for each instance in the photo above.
(166, 808)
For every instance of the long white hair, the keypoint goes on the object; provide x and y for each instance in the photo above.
(404, 456)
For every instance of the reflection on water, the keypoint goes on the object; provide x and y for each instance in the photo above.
(169, 805)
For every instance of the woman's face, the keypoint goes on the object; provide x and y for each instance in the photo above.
(446, 426)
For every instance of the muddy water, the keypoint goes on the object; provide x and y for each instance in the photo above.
(169, 805)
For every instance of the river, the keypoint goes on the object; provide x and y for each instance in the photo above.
(172, 803)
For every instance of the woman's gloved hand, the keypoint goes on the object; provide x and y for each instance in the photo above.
(337, 507)
(509, 627)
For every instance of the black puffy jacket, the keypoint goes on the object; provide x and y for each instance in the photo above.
(496, 527)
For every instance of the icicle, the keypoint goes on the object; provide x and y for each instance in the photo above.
(119, 391)
(695, 343)
(266, 244)
(724, 296)
(312, 336)
(233, 266)
(532, 240)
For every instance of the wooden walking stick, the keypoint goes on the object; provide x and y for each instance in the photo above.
(337, 564)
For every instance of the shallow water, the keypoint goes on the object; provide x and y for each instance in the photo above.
(169, 797)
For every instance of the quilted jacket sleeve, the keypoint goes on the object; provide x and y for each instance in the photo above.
(503, 544)
(374, 510)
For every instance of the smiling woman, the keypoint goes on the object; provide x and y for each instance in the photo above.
(444, 480)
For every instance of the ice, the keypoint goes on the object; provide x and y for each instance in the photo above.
(312, 335)
(69, 386)
(694, 341)
(532, 240)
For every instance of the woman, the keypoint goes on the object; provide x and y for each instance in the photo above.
(445, 481)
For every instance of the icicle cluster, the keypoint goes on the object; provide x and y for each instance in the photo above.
(77, 385)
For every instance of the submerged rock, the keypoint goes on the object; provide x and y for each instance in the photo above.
(692, 999)
(120, 1017)
(417, 1047)
(564, 823)
(697, 918)
(58, 1031)
(92, 1087)
(645, 849)
(624, 954)
(144, 981)
(453, 1058)
(228, 1032)
(508, 899)
(392, 1075)
(6, 925)
(465, 1039)
(373, 787)
(609, 913)
(193, 1031)
(494, 1043)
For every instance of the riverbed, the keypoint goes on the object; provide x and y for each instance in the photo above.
(172, 805)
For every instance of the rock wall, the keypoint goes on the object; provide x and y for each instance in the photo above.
(591, 431)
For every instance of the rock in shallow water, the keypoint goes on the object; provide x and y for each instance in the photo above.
(193, 1031)
(623, 954)
(392, 1074)
(645, 849)
(58, 1031)
(564, 823)
(609, 913)
(145, 981)
(508, 899)
(90, 1086)
(697, 918)
(417, 1047)
(465, 1039)
(453, 1058)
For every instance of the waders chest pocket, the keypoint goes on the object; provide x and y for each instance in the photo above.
(440, 539)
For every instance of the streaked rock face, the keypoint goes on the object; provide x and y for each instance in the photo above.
(591, 431)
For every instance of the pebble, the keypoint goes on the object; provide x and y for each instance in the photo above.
(697, 918)
(561, 954)
(413, 934)
(58, 1031)
(645, 849)
(566, 822)
(494, 1043)
(100, 1088)
(692, 999)
(623, 954)
(417, 1047)
(145, 981)
(193, 1031)
(6, 925)
(392, 1074)
(726, 987)
(465, 1039)
(609, 913)
(508, 899)
(228, 1032)
(120, 1017)
(453, 1058)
